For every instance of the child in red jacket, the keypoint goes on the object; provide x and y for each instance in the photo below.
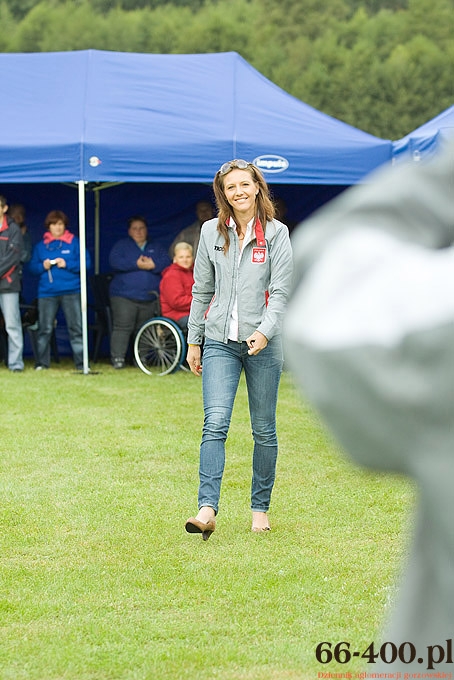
(175, 288)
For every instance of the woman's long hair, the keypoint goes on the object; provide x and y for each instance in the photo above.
(264, 206)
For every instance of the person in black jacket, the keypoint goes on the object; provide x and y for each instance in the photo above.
(11, 250)
(16, 212)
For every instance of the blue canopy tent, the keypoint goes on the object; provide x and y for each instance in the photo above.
(162, 124)
(426, 139)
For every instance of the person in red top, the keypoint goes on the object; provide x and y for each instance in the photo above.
(175, 288)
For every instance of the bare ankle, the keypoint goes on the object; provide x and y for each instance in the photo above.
(206, 513)
(260, 520)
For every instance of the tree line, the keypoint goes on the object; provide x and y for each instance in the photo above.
(384, 66)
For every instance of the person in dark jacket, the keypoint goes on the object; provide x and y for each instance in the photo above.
(17, 213)
(134, 291)
(11, 249)
(191, 234)
(56, 260)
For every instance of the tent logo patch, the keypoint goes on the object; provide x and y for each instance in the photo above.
(271, 163)
(94, 161)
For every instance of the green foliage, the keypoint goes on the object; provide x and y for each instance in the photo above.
(374, 6)
(7, 24)
(48, 27)
(310, 17)
(19, 8)
(128, 5)
(386, 72)
(216, 30)
(383, 66)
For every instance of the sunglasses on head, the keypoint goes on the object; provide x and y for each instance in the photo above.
(237, 163)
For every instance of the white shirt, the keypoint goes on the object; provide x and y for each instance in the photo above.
(233, 328)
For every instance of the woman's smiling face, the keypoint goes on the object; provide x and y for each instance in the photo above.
(240, 191)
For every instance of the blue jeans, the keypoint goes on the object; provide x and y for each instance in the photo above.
(222, 366)
(9, 304)
(47, 311)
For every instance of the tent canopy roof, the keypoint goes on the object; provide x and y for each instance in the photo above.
(109, 116)
(427, 138)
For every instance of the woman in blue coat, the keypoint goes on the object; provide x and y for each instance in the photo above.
(56, 260)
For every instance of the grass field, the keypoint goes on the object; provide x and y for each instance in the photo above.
(99, 580)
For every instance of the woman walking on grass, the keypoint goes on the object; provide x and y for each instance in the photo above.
(242, 279)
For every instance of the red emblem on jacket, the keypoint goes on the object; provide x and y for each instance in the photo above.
(258, 255)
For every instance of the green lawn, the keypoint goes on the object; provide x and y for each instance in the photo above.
(100, 581)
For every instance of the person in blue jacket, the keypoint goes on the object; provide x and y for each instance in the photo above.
(137, 265)
(56, 260)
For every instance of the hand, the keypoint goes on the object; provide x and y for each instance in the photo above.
(193, 358)
(145, 262)
(46, 264)
(60, 262)
(256, 342)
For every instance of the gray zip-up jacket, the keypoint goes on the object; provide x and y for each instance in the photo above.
(262, 281)
(369, 334)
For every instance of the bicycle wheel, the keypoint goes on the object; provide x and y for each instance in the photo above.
(159, 347)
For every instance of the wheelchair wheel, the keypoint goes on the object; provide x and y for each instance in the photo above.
(159, 347)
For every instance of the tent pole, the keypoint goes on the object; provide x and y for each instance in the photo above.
(96, 191)
(83, 272)
(97, 205)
